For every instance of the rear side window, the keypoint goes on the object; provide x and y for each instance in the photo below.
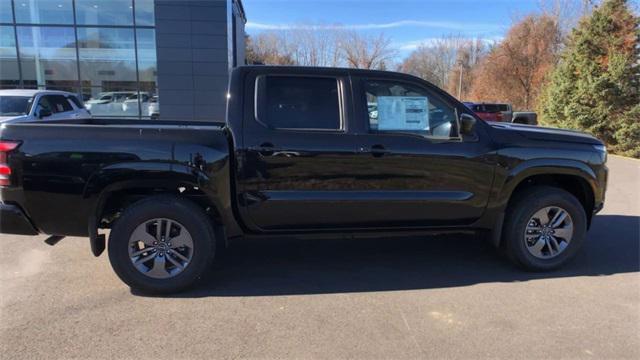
(292, 102)
(76, 102)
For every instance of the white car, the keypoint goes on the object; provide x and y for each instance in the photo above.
(40, 105)
(109, 103)
(154, 108)
(130, 105)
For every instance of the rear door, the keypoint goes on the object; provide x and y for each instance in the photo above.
(298, 155)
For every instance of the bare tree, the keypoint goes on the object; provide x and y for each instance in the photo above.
(464, 71)
(435, 60)
(268, 48)
(566, 12)
(515, 70)
(366, 52)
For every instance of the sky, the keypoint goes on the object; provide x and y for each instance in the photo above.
(407, 22)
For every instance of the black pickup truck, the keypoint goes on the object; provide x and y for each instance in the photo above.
(306, 152)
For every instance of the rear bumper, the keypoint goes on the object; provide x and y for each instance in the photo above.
(14, 221)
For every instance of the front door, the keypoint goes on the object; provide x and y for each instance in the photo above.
(420, 171)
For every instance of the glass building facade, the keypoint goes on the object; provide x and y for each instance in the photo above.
(104, 50)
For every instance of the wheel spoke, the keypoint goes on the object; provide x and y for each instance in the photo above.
(179, 256)
(175, 262)
(558, 218)
(564, 233)
(542, 215)
(159, 229)
(562, 245)
(144, 259)
(167, 230)
(183, 239)
(141, 234)
(554, 247)
(537, 247)
(140, 252)
(158, 269)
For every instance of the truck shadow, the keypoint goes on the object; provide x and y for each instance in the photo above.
(293, 266)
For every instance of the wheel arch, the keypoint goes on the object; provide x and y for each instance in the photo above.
(572, 176)
(113, 189)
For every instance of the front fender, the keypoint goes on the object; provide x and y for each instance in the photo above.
(534, 167)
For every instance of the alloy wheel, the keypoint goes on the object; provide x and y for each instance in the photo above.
(160, 248)
(549, 232)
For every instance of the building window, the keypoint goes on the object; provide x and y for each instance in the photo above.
(48, 57)
(114, 76)
(6, 12)
(9, 72)
(44, 11)
(104, 12)
(145, 15)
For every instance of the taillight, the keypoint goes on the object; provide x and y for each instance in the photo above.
(5, 170)
(499, 116)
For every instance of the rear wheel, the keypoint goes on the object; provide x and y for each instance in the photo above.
(162, 244)
(545, 228)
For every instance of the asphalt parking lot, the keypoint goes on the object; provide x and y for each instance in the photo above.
(441, 297)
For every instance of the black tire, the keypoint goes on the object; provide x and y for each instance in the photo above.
(522, 208)
(184, 212)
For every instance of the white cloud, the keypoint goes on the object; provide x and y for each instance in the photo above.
(448, 25)
(426, 42)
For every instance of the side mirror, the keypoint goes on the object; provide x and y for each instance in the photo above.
(467, 123)
(44, 113)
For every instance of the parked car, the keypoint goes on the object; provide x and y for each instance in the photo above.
(134, 102)
(153, 110)
(109, 103)
(491, 111)
(40, 105)
(298, 155)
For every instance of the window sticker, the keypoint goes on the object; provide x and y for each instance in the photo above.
(403, 113)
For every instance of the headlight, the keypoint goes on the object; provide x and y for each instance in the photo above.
(602, 150)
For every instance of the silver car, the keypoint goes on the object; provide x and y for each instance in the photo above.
(20, 105)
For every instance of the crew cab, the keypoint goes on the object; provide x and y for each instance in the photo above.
(300, 153)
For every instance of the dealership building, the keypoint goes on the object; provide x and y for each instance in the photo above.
(172, 56)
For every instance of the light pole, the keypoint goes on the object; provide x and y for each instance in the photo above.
(460, 80)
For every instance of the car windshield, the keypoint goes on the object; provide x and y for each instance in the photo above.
(15, 105)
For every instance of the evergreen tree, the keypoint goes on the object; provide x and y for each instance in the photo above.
(596, 85)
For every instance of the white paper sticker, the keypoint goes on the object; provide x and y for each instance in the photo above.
(403, 113)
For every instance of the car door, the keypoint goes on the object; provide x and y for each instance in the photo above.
(419, 171)
(297, 153)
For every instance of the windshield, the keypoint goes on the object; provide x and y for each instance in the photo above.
(15, 105)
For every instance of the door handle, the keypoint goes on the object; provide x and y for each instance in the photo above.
(378, 150)
(265, 149)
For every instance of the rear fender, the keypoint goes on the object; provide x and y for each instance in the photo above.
(144, 177)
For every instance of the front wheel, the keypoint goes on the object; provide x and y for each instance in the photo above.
(545, 228)
(162, 244)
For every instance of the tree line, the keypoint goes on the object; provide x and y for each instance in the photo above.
(576, 63)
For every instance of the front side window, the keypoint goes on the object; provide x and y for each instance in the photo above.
(55, 104)
(402, 107)
(291, 102)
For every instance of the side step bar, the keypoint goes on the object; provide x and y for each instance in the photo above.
(53, 239)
